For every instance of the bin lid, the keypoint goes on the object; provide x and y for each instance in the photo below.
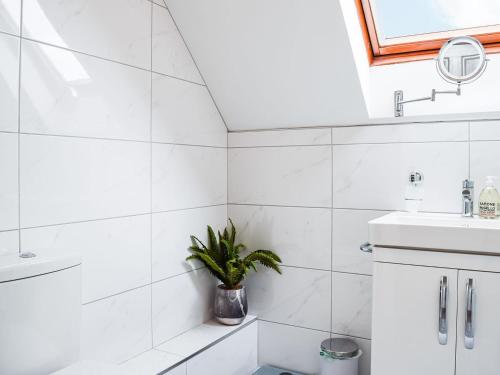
(340, 348)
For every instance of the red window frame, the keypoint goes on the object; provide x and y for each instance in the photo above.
(410, 51)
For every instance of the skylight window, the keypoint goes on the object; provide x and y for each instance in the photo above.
(405, 30)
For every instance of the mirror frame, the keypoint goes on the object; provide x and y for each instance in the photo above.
(440, 62)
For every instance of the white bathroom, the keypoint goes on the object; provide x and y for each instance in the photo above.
(249, 187)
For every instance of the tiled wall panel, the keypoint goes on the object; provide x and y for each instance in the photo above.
(122, 155)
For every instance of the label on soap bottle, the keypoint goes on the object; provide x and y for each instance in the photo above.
(488, 210)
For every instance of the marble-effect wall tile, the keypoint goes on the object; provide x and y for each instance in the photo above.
(375, 176)
(188, 176)
(300, 236)
(117, 328)
(171, 237)
(351, 304)
(84, 26)
(184, 113)
(116, 253)
(181, 303)
(9, 176)
(69, 93)
(299, 297)
(10, 16)
(289, 176)
(170, 54)
(9, 81)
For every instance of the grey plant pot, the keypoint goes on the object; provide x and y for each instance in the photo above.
(231, 305)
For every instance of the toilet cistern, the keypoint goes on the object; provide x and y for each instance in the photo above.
(468, 198)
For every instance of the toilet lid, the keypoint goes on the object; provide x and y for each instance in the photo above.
(13, 267)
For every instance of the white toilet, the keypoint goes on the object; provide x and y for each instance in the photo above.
(40, 313)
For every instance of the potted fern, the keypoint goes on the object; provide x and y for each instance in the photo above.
(221, 256)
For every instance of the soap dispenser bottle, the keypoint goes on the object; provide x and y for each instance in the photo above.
(489, 200)
(414, 192)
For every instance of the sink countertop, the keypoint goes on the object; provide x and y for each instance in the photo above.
(436, 231)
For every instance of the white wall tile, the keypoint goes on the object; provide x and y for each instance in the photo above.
(352, 304)
(9, 80)
(349, 231)
(375, 176)
(181, 303)
(484, 161)
(70, 179)
(117, 328)
(291, 348)
(9, 208)
(485, 131)
(300, 236)
(9, 242)
(10, 16)
(159, 2)
(84, 25)
(281, 138)
(69, 93)
(171, 237)
(115, 253)
(170, 54)
(432, 132)
(294, 176)
(186, 176)
(179, 370)
(184, 112)
(237, 354)
(151, 362)
(299, 296)
(365, 346)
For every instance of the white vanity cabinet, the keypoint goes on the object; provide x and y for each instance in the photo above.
(484, 357)
(405, 320)
(436, 299)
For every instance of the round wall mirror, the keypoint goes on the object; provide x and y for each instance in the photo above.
(461, 60)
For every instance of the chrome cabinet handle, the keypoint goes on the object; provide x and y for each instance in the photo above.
(366, 247)
(443, 303)
(469, 315)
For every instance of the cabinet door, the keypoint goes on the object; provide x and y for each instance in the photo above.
(406, 313)
(479, 352)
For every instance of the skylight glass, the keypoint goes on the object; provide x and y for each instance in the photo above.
(400, 21)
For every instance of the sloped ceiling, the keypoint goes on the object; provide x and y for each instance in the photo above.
(274, 63)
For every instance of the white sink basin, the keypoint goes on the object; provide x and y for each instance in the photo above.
(450, 232)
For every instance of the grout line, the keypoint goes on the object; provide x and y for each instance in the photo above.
(112, 217)
(11, 34)
(117, 139)
(423, 122)
(151, 178)
(347, 144)
(108, 60)
(280, 146)
(306, 268)
(335, 208)
(277, 205)
(331, 234)
(116, 294)
(468, 166)
(352, 273)
(177, 275)
(19, 244)
(174, 77)
(197, 67)
(314, 329)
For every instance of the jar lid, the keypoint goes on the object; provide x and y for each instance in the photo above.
(340, 348)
